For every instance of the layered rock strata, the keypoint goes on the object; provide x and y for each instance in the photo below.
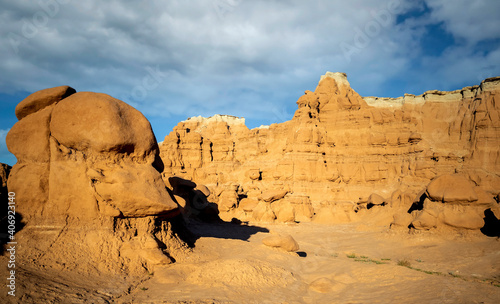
(341, 155)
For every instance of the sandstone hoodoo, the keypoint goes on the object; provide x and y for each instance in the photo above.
(343, 157)
(89, 184)
(453, 201)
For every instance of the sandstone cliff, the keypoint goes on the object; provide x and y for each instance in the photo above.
(342, 155)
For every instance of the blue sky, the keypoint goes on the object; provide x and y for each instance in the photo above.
(176, 59)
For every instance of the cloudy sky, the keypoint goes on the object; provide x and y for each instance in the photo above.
(252, 58)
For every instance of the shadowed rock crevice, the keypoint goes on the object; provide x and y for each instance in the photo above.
(418, 205)
(491, 224)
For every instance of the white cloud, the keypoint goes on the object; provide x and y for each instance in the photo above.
(471, 58)
(458, 67)
(472, 21)
(253, 59)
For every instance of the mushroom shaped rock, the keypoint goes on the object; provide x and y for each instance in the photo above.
(119, 148)
(88, 174)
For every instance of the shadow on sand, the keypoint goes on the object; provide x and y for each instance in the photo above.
(235, 230)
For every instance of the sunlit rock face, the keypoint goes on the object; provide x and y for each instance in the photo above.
(88, 183)
(340, 149)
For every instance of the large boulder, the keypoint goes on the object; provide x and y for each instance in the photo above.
(248, 204)
(285, 242)
(273, 195)
(451, 189)
(284, 210)
(99, 123)
(463, 217)
(263, 212)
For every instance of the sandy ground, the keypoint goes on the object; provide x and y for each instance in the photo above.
(348, 263)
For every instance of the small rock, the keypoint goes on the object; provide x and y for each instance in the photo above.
(285, 242)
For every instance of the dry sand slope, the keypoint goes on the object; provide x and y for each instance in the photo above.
(348, 263)
(335, 264)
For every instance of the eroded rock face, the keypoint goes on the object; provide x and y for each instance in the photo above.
(4, 174)
(453, 201)
(4, 198)
(88, 162)
(339, 149)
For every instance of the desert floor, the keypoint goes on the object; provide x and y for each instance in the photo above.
(348, 263)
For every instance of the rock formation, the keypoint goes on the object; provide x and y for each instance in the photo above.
(453, 201)
(285, 242)
(4, 173)
(88, 184)
(343, 156)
